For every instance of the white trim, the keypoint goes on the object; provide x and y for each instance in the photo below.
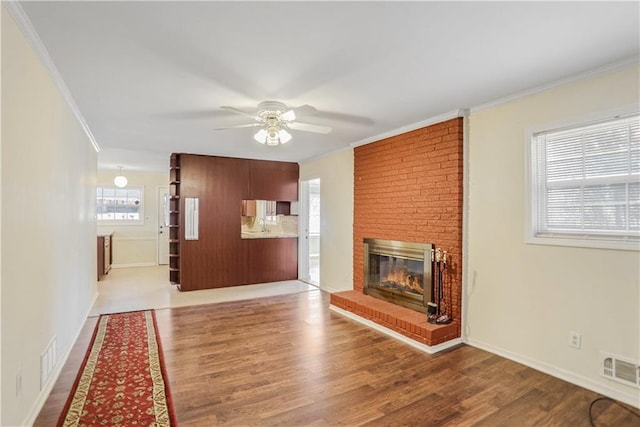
(408, 128)
(415, 344)
(582, 120)
(120, 238)
(303, 236)
(159, 219)
(620, 245)
(23, 22)
(134, 264)
(465, 225)
(46, 390)
(631, 398)
(585, 75)
(333, 290)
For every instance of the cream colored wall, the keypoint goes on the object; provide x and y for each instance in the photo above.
(48, 222)
(336, 223)
(523, 299)
(135, 245)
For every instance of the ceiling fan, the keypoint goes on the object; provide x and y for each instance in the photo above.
(275, 119)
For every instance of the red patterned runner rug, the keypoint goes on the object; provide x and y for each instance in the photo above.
(122, 379)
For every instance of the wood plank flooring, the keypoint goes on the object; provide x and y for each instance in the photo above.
(289, 361)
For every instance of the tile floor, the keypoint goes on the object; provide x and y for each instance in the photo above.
(129, 289)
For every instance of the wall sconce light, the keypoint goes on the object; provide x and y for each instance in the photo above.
(120, 180)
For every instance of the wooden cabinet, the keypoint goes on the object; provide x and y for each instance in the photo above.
(248, 208)
(220, 257)
(273, 180)
(217, 258)
(270, 260)
(105, 255)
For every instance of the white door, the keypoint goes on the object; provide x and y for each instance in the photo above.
(314, 231)
(163, 223)
(303, 232)
(309, 231)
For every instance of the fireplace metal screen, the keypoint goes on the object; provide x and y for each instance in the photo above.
(399, 272)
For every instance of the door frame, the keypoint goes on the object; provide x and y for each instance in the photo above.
(160, 222)
(303, 231)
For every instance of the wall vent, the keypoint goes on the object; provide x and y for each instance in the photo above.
(48, 361)
(620, 369)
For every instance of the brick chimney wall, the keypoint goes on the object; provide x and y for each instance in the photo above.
(409, 187)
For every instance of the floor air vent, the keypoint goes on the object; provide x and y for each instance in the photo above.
(619, 369)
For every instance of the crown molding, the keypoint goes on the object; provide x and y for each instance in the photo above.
(460, 112)
(581, 76)
(24, 24)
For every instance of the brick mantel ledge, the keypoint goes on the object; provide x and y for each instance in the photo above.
(405, 321)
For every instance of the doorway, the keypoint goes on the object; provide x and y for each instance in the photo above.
(310, 231)
(163, 225)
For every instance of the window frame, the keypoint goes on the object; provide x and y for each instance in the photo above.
(585, 240)
(126, 222)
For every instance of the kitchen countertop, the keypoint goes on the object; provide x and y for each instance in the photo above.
(268, 235)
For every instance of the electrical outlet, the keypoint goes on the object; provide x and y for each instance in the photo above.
(575, 339)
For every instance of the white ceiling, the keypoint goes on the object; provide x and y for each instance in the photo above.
(150, 77)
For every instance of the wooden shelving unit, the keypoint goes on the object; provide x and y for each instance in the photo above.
(174, 220)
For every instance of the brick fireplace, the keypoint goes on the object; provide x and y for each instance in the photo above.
(409, 188)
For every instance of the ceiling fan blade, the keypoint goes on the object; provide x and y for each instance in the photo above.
(305, 109)
(248, 125)
(308, 127)
(244, 113)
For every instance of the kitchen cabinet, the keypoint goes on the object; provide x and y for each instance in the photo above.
(267, 260)
(248, 208)
(273, 180)
(105, 254)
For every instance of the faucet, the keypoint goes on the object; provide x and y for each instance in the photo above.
(264, 228)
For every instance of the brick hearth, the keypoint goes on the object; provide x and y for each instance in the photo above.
(402, 320)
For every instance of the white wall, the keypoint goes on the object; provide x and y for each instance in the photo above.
(135, 245)
(523, 299)
(48, 222)
(336, 223)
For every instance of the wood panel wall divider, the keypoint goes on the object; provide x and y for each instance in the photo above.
(220, 257)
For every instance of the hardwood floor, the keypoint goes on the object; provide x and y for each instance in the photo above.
(288, 360)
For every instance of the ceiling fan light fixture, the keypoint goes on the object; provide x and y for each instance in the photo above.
(284, 136)
(274, 120)
(261, 136)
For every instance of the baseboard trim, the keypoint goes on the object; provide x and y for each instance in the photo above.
(331, 290)
(415, 344)
(46, 390)
(134, 264)
(631, 398)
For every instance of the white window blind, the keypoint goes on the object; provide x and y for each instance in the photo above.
(587, 181)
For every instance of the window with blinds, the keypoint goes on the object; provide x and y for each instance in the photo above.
(586, 181)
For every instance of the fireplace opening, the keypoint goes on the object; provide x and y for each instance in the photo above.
(399, 272)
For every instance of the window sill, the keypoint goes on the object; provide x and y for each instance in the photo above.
(118, 223)
(581, 242)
